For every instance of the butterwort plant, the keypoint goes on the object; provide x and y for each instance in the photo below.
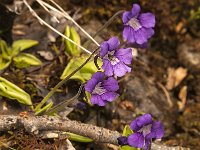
(115, 60)
(103, 86)
(145, 129)
(102, 90)
(138, 27)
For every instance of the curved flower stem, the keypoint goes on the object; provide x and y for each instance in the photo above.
(104, 26)
(64, 103)
(62, 82)
(108, 22)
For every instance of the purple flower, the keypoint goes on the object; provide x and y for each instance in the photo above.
(122, 140)
(102, 91)
(115, 60)
(81, 106)
(144, 131)
(138, 26)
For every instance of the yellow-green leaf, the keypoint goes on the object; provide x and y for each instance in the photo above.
(127, 131)
(5, 50)
(11, 91)
(84, 73)
(4, 63)
(126, 147)
(71, 48)
(71, 66)
(78, 138)
(26, 60)
(23, 44)
(44, 109)
(90, 66)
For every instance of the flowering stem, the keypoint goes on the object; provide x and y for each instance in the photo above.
(109, 22)
(62, 82)
(104, 26)
(64, 103)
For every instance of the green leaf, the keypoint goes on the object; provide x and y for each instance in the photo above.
(23, 44)
(88, 95)
(86, 76)
(4, 63)
(5, 50)
(25, 60)
(127, 131)
(71, 48)
(90, 66)
(128, 148)
(78, 76)
(44, 109)
(78, 138)
(84, 73)
(11, 91)
(71, 66)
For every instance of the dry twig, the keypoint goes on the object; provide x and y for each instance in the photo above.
(166, 93)
(53, 29)
(34, 124)
(63, 13)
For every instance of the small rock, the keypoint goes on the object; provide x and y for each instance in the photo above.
(149, 98)
(189, 54)
(46, 55)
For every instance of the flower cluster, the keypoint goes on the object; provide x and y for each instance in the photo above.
(144, 131)
(138, 28)
(102, 86)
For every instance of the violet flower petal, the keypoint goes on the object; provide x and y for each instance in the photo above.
(136, 140)
(107, 67)
(141, 46)
(124, 55)
(147, 20)
(104, 47)
(111, 84)
(120, 69)
(81, 106)
(113, 43)
(141, 121)
(127, 15)
(157, 130)
(128, 34)
(141, 36)
(122, 140)
(109, 96)
(91, 85)
(135, 9)
(96, 99)
(149, 32)
(147, 144)
(98, 76)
